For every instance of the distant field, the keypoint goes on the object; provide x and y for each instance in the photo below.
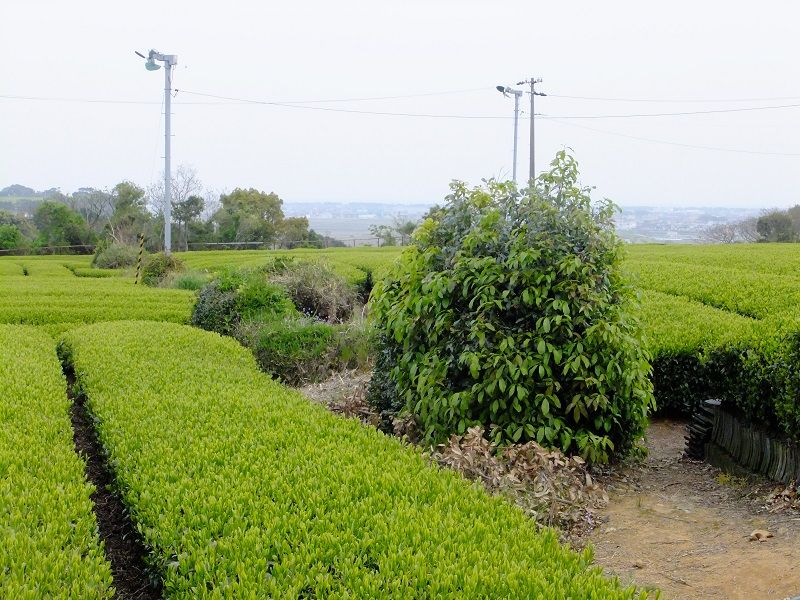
(348, 228)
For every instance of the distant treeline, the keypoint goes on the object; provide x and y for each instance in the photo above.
(772, 226)
(90, 216)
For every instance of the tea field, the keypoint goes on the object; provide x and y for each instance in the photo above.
(239, 487)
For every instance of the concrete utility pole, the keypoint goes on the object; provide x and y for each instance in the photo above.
(532, 167)
(516, 93)
(169, 60)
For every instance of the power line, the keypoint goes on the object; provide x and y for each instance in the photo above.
(676, 101)
(675, 114)
(671, 143)
(403, 114)
(302, 104)
(325, 101)
(554, 118)
(365, 99)
(343, 110)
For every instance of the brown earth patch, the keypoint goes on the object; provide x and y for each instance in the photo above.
(683, 526)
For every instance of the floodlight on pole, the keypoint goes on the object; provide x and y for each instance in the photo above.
(169, 60)
(505, 90)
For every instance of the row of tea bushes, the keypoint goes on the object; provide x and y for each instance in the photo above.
(700, 352)
(748, 293)
(778, 259)
(682, 336)
(49, 546)
(60, 303)
(244, 489)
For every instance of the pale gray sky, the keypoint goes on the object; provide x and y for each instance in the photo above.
(312, 50)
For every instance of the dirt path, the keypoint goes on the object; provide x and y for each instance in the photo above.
(678, 526)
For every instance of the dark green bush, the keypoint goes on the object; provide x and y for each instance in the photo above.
(215, 309)
(787, 404)
(757, 377)
(382, 393)
(300, 351)
(115, 256)
(762, 383)
(511, 312)
(257, 299)
(157, 266)
(294, 351)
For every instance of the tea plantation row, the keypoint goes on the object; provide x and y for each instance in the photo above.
(48, 537)
(244, 489)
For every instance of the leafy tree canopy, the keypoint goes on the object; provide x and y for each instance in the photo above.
(59, 225)
(249, 215)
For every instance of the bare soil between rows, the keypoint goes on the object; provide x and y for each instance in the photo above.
(681, 526)
(123, 545)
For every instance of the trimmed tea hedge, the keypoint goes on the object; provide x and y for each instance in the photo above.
(53, 300)
(49, 546)
(244, 489)
(720, 332)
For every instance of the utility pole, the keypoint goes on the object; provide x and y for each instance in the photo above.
(516, 93)
(532, 167)
(168, 154)
(169, 60)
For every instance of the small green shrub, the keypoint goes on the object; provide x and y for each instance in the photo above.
(354, 345)
(294, 351)
(157, 266)
(257, 299)
(510, 312)
(115, 256)
(300, 351)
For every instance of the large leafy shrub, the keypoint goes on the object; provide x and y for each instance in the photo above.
(509, 311)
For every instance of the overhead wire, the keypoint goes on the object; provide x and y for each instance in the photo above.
(344, 110)
(675, 114)
(674, 100)
(561, 119)
(673, 143)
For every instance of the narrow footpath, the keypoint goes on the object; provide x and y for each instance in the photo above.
(684, 527)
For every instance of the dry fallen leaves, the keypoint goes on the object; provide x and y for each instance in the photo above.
(784, 498)
(554, 489)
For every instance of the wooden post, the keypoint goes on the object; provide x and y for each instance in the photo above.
(139, 258)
